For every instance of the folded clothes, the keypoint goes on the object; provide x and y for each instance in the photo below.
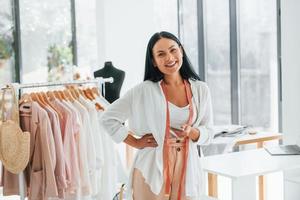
(231, 132)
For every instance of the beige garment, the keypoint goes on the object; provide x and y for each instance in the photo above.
(60, 167)
(39, 173)
(142, 191)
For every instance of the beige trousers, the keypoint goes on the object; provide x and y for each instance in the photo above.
(142, 191)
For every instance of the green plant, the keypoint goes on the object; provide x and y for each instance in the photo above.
(6, 49)
(59, 56)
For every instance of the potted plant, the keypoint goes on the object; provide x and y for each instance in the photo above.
(5, 51)
(59, 56)
(59, 59)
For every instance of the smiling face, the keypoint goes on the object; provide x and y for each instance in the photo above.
(167, 56)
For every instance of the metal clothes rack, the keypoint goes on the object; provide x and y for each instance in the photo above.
(100, 81)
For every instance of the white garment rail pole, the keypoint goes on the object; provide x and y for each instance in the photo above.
(99, 80)
(18, 86)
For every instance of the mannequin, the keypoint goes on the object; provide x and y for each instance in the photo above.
(112, 90)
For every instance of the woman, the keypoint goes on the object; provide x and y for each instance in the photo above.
(170, 113)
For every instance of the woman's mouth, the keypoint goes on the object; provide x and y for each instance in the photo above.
(171, 64)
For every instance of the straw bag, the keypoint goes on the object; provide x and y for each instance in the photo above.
(14, 143)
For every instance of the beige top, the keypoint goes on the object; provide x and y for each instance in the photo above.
(39, 173)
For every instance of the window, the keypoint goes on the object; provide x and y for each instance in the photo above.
(188, 25)
(247, 93)
(218, 58)
(46, 38)
(86, 33)
(258, 63)
(6, 43)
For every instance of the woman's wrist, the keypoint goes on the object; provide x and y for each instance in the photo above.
(194, 134)
(131, 140)
(146, 140)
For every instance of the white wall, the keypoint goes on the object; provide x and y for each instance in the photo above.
(290, 16)
(124, 28)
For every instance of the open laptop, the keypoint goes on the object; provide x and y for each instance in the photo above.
(283, 150)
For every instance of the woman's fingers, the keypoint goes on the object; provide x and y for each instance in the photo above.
(186, 129)
(148, 141)
(148, 135)
(151, 141)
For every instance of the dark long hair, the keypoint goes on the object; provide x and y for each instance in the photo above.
(153, 74)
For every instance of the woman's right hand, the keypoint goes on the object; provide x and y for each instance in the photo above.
(146, 141)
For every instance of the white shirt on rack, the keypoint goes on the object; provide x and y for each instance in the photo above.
(86, 149)
(98, 145)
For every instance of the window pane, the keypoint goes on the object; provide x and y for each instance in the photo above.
(86, 33)
(166, 18)
(218, 62)
(7, 62)
(189, 33)
(7, 73)
(46, 39)
(258, 50)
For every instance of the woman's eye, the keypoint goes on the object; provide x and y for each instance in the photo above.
(173, 50)
(160, 54)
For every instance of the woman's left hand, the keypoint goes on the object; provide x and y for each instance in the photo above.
(190, 132)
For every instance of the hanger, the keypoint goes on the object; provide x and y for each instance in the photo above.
(75, 91)
(68, 95)
(63, 96)
(35, 98)
(72, 92)
(81, 93)
(23, 107)
(95, 91)
(51, 95)
(88, 93)
(99, 96)
(41, 98)
(98, 106)
(57, 95)
(45, 97)
(25, 98)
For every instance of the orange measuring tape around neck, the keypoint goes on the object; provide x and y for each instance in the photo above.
(166, 164)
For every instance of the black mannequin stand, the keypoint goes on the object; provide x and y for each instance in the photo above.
(112, 90)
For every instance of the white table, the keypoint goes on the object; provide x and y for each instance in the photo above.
(230, 143)
(292, 188)
(243, 167)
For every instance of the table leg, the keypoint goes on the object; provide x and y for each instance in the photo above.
(261, 182)
(244, 188)
(261, 179)
(212, 185)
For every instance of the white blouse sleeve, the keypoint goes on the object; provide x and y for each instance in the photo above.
(206, 124)
(115, 115)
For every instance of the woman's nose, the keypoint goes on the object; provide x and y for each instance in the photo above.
(169, 57)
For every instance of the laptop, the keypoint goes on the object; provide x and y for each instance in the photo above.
(283, 150)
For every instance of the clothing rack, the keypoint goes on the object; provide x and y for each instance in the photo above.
(17, 86)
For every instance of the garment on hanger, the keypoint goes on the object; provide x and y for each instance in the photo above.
(67, 156)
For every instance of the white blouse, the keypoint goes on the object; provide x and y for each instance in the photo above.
(144, 106)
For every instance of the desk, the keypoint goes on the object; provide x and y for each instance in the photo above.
(238, 167)
(291, 188)
(259, 139)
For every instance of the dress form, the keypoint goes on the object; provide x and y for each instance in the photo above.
(112, 90)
